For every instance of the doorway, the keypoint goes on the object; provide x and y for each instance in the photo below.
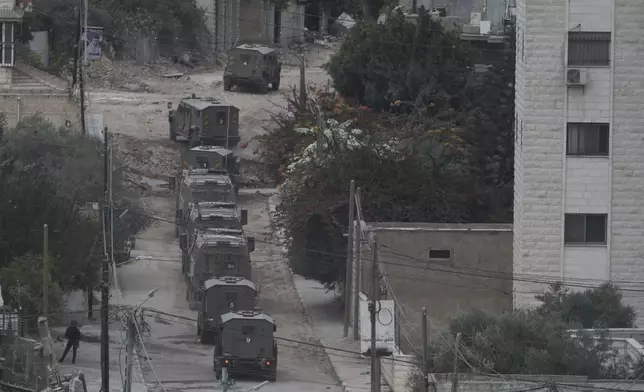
(277, 25)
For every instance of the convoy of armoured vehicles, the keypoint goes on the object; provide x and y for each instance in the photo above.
(216, 251)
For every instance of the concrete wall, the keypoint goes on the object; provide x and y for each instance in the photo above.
(55, 107)
(441, 286)
(255, 21)
(23, 358)
(549, 184)
(292, 26)
(507, 383)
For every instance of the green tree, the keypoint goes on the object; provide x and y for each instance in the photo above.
(600, 307)
(423, 65)
(47, 176)
(524, 342)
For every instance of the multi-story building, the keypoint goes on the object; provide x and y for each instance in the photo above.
(579, 159)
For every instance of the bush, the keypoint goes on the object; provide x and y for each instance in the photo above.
(600, 307)
(47, 176)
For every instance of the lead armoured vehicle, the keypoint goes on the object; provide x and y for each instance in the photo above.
(210, 215)
(252, 66)
(223, 295)
(204, 121)
(213, 253)
(247, 345)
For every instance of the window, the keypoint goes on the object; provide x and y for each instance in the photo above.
(587, 139)
(8, 49)
(245, 58)
(221, 118)
(588, 48)
(248, 329)
(439, 254)
(585, 229)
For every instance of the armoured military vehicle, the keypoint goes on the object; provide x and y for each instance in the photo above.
(213, 253)
(223, 295)
(204, 121)
(205, 215)
(247, 345)
(213, 158)
(252, 65)
(201, 185)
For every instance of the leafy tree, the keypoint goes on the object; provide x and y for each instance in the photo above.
(47, 176)
(600, 307)
(450, 134)
(176, 25)
(524, 342)
(423, 65)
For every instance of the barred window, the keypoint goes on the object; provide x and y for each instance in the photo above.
(8, 46)
(588, 48)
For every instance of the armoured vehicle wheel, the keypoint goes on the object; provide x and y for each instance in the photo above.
(272, 375)
(207, 337)
(228, 86)
(217, 373)
(276, 85)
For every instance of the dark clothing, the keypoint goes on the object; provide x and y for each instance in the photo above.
(74, 347)
(73, 336)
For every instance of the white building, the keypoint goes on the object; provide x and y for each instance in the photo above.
(579, 169)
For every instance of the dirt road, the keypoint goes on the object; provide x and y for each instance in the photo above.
(139, 120)
(177, 357)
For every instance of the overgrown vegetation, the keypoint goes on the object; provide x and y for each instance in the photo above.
(174, 27)
(47, 176)
(540, 341)
(425, 138)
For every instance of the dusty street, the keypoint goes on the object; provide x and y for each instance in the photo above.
(177, 357)
(139, 120)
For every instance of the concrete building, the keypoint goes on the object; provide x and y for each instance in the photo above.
(579, 210)
(449, 268)
(476, 16)
(252, 21)
(24, 90)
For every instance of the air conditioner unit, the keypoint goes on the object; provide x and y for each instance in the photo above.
(576, 77)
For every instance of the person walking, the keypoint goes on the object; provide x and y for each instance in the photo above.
(73, 335)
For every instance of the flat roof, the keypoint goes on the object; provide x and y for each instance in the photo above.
(229, 281)
(424, 227)
(220, 150)
(246, 315)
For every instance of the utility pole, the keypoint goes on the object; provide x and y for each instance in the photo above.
(45, 271)
(129, 357)
(349, 278)
(82, 68)
(105, 289)
(425, 353)
(375, 380)
(78, 46)
(302, 80)
(457, 343)
(358, 262)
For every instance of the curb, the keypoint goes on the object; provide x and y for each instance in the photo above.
(300, 298)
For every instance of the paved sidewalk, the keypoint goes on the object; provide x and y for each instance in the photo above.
(88, 359)
(325, 314)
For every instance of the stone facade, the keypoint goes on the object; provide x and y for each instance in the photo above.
(550, 184)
